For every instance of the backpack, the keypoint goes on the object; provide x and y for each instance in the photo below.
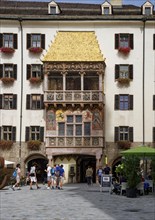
(52, 171)
(14, 175)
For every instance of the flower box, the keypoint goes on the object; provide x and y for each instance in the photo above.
(124, 50)
(5, 145)
(35, 80)
(34, 144)
(123, 144)
(7, 50)
(123, 80)
(35, 49)
(7, 80)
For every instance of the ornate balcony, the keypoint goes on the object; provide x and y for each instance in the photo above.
(52, 97)
(74, 142)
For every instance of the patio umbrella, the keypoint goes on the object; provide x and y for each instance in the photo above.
(141, 151)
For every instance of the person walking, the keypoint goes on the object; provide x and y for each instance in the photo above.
(89, 174)
(33, 178)
(62, 176)
(48, 171)
(99, 174)
(106, 170)
(53, 177)
(18, 176)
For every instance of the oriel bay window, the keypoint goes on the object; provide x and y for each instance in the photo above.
(73, 81)
(74, 127)
(123, 133)
(91, 81)
(55, 81)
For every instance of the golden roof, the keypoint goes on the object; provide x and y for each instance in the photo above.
(74, 46)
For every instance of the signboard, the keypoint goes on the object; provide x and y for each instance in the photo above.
(106, 181)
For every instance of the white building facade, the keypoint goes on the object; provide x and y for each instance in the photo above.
(112, 103)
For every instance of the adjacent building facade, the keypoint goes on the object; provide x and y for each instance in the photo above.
(77, 83)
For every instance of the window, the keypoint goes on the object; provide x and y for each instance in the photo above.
(8, 101)
(74, 126)
(34, 102)
(123, 72)
(53, 10)
(153, 102)
(8, 40)
(36, 40)
(34, 133)
(55, 81)
(8, 133)
(73, 81)
(147, 11)
(123, 41)
(153, 134)
(106, 10)
(123, 133)
(91, 81)
(8, 70)
(123, 102)
(34, 71)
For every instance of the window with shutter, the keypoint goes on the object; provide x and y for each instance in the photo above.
(123, 133)
(124, 40)
(34, 102)
(153, 134)
(123, 102)
(154, 42)
(153, 102)
(9, 101)
(9, 133)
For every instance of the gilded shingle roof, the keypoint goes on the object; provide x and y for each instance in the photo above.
(74, 46)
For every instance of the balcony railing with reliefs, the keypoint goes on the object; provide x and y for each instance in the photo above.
(74, 141)
(73, 96)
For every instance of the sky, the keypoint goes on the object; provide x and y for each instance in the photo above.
(133, 2)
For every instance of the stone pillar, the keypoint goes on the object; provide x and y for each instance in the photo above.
(45, 82)
(50, 160)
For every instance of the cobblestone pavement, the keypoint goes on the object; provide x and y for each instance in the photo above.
(74, 202)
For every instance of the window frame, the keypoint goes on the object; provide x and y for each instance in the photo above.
(118, 101)
(30, 41)
(14, 40)
(34, 102)
(9, 134)
(118, 71)
(38, 133)
(118, 132)
(130, 41)
(8, 101)
(71, 128)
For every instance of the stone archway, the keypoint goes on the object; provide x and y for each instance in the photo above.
(116, 162)
(41, 162)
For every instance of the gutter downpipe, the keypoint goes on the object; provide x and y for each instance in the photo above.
(21, 101)
(143, 79)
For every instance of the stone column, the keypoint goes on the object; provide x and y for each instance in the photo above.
(45, 82)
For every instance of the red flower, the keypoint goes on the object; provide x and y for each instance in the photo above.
(124, 50)
(35, 49)
(35, 80)
(7, 50)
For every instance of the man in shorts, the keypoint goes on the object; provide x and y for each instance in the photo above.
(48, 171)
(33, 178)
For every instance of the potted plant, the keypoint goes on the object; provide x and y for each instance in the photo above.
(35, 49)
(7, 50)
(124, 50)
(132, 174)
(123, 144)
(123, 80)
(35, 80)
(34, 144)
(7, 80)
(6, 145)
